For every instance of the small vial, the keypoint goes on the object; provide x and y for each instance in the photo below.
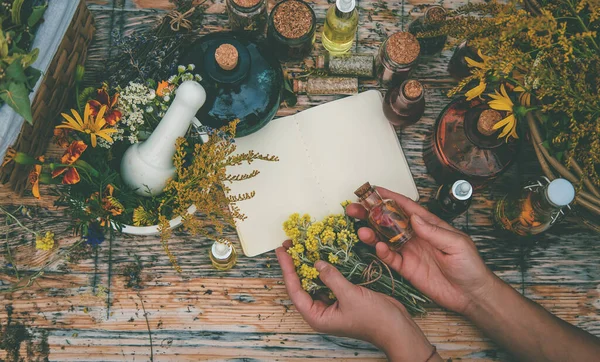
(385, 217)
(248, 15)
(326, 85)
(358, 65)
(430, 21)
(223, 255)
(452, 200)
(397, 56)
(457, 66)
(404, 105)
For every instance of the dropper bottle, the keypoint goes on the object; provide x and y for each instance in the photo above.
(223, 255)
(452, 200)
(341, 24)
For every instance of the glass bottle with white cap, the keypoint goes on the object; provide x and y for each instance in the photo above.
(452, 200)
(223, 255)
(341, 23)
(536, 208)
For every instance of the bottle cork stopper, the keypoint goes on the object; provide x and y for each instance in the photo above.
(298, 86)
(246, 3)
(363, 190)
(487, 120)
(435, 14)
(412, 89)
(227, 56)
(403, 47)
(320, 62)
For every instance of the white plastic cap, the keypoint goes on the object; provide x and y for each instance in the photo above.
(462, 190)
(560, 192)
(345, 6)
(221, 250)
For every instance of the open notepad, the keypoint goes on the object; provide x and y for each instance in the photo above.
(325, 154)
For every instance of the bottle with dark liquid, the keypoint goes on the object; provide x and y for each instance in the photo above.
(536, 208)
(430, 21)
(405, 104)
(385, 217)
(452, 200)
(458, 66)
(464, 146)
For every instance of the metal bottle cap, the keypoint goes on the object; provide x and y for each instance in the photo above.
(221, 250)
(462, 190)
(345, 6)
(560, 192)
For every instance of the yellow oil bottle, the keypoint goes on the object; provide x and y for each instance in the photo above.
(340, 27)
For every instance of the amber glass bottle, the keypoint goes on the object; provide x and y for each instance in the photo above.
(404, 105)
(457, 66)
(452, 199)
(385, 217)
(464, 146)
(430, 21)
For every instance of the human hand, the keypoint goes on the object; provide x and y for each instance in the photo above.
(357, 313)
(440, 261)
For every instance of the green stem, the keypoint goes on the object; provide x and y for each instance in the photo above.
(583, 26)
(9, 255)
(17, 221)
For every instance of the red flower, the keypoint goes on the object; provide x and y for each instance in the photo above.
(112, 115)
(72, 154)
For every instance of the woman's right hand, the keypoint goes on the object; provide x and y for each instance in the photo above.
(439, 260)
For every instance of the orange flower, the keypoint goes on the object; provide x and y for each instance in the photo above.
(61, 137)
(34, 178)
(110, 203)
(163, 89)
(72, 154)
(111, 115)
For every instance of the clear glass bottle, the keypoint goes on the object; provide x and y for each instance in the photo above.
(223, 255)
(358, 65)
(404, 105)
(464, 146)
(248, 15)
(430, 21)
(535, 208)
(291, 30)
(341, 23)
(326, 85)
(396, 58)
(452, 200)
(457, 66)
(385, 217)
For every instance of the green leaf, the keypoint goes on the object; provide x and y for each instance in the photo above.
(3, 45)
(16, 95)
(86, 95)
(15, 12)
(30, 58)
(32, 76)
(546, 145)
(36, 15)
(16, 73)
(559, 156)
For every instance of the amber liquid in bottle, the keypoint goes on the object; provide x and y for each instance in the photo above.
(385, 217)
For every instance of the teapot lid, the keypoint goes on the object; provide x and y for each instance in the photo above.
(242, 78)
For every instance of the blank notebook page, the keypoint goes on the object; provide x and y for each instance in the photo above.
(325, 154)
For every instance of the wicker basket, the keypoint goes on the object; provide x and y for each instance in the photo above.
(588, 197)
(51, 96)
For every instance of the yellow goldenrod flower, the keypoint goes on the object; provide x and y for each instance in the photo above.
(88, 124)
(476, 91)
(45, 242)
(502, 102)
(333, 259)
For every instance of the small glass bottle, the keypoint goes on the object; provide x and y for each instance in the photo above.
(223, 255)
(248, 15)
(404, 105)
(358, 65)
(291, 30)
(535, 208)
(452, 200)
(341, 23)
(457, 66)
(385, 217)
(397, 56)
(430, 21)
(326, 85)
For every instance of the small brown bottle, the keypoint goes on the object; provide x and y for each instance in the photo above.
(452, 200)
(385, 217)
(404, 105)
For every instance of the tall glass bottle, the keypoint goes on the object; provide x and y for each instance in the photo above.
(535, 208)
(404, 105)
(397, 57)
(385, 217)
(464, 146)
(248, 15)
(341, 23)
(452, 199)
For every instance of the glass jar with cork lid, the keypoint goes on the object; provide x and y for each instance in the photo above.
(397, 56)
(404, 105)
(248, 15)
(291, 30)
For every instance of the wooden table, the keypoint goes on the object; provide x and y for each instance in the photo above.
(127, 303)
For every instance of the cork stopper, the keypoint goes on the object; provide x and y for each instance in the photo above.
(487, 120)
(403, 47)
(227, 56)
(298, 86)
(364, 190)
(412, 89)
(320, 62)
(435, 14)
(293, 19)
(246, 3)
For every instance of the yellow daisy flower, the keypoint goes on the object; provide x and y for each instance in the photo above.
(88, 124)
(502, 102)
(476, 91)
(475, 64)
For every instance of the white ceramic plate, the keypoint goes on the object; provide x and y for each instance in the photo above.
(153, 230)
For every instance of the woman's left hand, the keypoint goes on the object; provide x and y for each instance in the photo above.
(357, 313)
